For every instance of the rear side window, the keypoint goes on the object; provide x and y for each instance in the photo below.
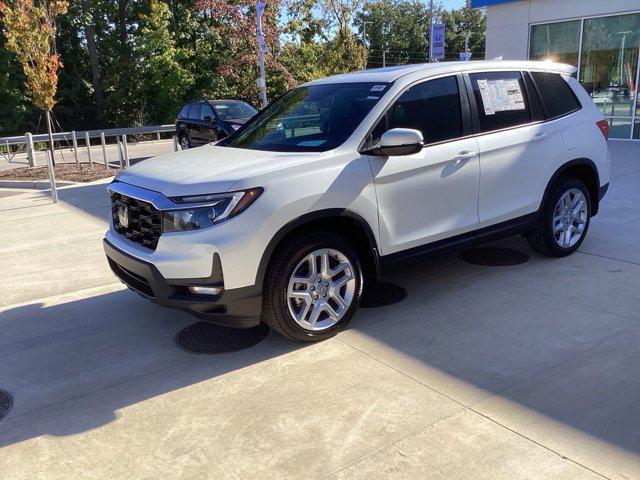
(433, 107)
(557, 97)
(184, 113)
(501, 98)
(194, 111)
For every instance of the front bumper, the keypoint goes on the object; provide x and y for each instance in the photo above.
(239, 307)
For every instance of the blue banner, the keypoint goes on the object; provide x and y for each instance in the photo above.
(486, 3)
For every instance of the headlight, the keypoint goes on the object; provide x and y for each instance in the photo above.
(217, 208)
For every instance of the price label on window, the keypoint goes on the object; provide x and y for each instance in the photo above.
(501, 95)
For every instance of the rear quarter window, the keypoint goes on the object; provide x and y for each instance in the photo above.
(502, 100)
(184, 113)
(557, 96)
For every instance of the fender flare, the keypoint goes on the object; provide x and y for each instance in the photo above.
(310, 217)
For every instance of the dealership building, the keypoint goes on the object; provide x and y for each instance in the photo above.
(601, 38)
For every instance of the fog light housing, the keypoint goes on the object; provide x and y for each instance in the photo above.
(204, 290)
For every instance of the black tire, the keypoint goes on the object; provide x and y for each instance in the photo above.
(275, 310)
(184, 139)
(542, 239)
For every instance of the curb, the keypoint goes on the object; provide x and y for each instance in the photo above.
(37, 184)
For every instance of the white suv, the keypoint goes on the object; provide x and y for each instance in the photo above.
(292, 216)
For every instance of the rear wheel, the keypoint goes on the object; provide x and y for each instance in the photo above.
(564, 220)
(313, 287)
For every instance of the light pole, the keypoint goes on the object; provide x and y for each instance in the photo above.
(364, 32)
(262, 48)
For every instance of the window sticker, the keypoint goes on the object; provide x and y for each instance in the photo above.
(378, 88)
(501, 95)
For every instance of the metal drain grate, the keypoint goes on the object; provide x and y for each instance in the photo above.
(383, 295)
(493, 257)
(209, 339)
(5, 403)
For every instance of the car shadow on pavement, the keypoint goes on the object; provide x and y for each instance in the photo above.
(63, 357)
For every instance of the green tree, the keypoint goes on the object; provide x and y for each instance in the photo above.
(459, 23)
(161, 63)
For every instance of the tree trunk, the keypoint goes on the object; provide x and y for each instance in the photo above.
(49, 130)
(96, 79)
(122, 21)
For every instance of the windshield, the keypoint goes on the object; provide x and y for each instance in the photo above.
(314, 118)
(231, 110)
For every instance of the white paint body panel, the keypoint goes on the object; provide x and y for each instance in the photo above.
(407, 201)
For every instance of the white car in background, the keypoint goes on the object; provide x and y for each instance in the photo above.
(287, 220)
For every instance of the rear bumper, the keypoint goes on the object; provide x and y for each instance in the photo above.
(240, 307)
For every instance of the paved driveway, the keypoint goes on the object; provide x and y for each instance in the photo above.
(530, 371)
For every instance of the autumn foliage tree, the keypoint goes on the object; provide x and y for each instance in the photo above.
(29, 28)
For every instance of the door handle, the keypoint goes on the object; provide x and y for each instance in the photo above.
(466, 155)
(538, 136)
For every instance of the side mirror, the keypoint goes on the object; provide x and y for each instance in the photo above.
(207, 119)
(398, 141)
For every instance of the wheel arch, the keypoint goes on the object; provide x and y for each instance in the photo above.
(342, 221)
(583, 169)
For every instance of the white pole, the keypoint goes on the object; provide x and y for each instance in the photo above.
(88, 142)
(75, 146)
(104, 150)
(384, 58)
(263, 82)
(175, 143)
(52, 178)
(120, 154)
(126, 150)
(31, 157)
(431, 31)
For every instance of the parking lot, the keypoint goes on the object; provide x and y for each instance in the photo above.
(525, 371)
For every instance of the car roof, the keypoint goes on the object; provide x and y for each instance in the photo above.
(391, 74)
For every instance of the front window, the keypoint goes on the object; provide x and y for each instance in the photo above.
(314, 118)
(233, 110)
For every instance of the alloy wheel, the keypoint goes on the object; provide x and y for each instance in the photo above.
(570, 218)
(321, 289)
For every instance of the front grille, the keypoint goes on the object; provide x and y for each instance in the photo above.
(144, 221)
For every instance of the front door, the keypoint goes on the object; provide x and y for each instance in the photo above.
(433, 194)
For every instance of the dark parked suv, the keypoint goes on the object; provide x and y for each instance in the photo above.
(205, 121)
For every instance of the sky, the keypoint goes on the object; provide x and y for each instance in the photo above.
(450, 4)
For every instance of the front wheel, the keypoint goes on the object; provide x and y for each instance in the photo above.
(185, 143)
(564, 220)
(313, 287)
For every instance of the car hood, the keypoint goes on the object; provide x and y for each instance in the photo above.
(206, 169)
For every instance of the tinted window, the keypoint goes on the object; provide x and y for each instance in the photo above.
(557, 97)
(310, 118)
(206, 111)
(433, 107)
(501, 99)
(234, 110)
(184, 113)
(194, 111)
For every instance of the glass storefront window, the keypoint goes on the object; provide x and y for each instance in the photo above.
(609, 62)
(555, 41)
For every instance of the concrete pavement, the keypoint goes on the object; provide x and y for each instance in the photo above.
(529, 371)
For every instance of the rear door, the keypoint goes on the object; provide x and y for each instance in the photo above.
(515, 145)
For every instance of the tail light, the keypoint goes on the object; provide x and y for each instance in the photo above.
(603, 125)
